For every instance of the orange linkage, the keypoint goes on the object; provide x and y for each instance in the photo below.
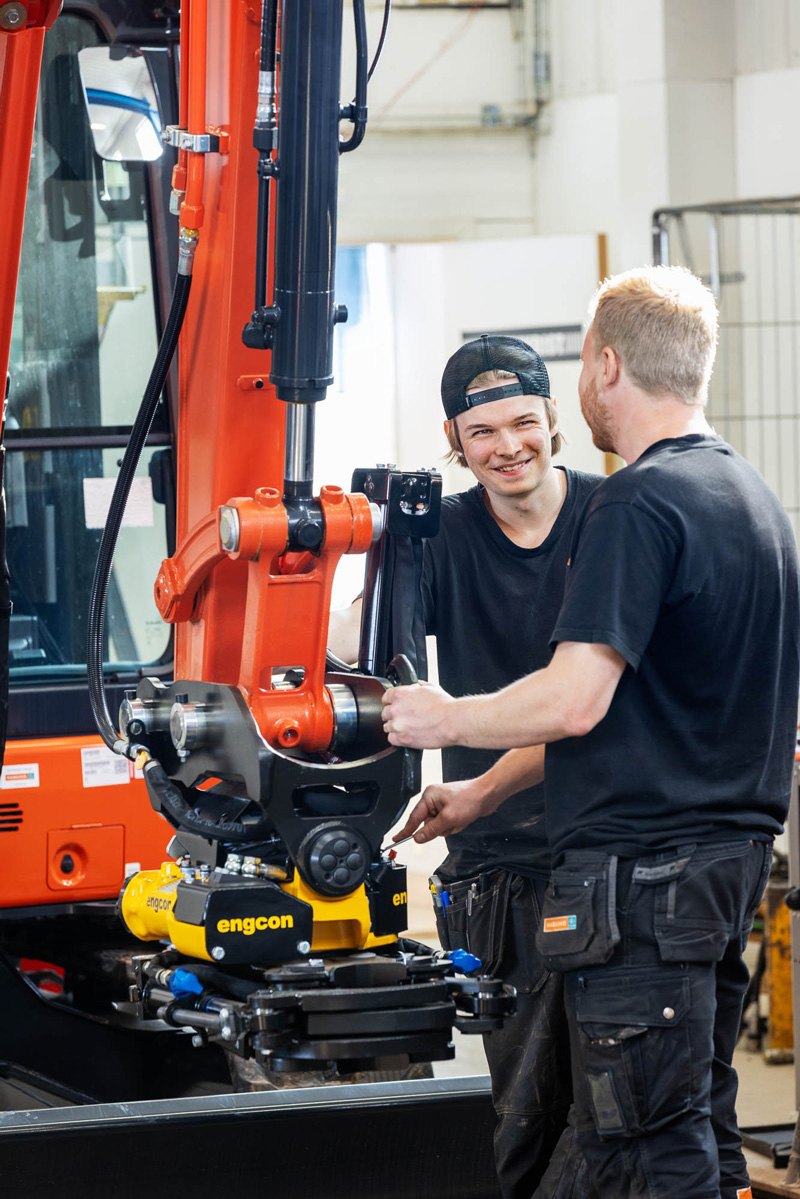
(243, 613)
(285, 620)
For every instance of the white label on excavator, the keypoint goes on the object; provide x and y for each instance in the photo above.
(103, 768)
(26, 775)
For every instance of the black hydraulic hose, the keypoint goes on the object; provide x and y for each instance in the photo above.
(358, 109)
(269, 35)
(108, 541)
(387, 8)
(173, 799)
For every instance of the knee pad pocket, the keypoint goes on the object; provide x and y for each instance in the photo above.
(634, 1049)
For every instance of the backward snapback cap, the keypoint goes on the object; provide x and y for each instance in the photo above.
(492, 351)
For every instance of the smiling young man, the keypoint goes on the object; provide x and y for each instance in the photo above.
(492, 585)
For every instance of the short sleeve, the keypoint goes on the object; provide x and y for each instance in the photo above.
(621, 568)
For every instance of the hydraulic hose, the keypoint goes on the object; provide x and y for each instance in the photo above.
(358, 109)
(175, 801)
(130, 462)
(387, 8)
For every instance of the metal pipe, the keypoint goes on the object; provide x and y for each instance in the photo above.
(713, 257)
(299, 444)
(660, 240)
(374, 575)
(179, 171)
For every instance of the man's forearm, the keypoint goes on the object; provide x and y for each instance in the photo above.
(344, 631)
(566, 699)
(516, 770)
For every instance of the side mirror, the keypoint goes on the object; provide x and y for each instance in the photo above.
(122, 105)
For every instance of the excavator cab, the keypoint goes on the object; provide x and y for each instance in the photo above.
(94, 260)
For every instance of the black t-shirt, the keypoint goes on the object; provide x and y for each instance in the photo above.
(685, 563)
(492, 606)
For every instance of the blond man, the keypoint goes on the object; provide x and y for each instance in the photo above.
(669, 714)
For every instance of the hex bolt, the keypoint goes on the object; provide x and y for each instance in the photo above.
(303, 947)
(13, 16)
(198, 1041)
(218, 953)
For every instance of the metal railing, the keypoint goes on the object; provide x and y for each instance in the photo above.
(748, 252)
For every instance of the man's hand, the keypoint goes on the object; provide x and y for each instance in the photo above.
(417, 716)
(447, 808)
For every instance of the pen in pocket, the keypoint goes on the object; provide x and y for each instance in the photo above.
(441, 898)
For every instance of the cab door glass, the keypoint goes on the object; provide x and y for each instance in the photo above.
(83, 343)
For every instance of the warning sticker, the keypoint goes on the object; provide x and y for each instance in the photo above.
(26, 775)
(560, 924)
(103, 768)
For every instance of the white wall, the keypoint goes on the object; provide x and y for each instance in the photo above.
(651, 103)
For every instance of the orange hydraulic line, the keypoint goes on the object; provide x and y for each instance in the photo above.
(179, 171)
(192, 207)
(20, 64)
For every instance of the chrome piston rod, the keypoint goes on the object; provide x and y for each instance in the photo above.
(298, 461)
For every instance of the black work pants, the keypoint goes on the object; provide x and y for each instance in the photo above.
(494, 916)
(653, 1030)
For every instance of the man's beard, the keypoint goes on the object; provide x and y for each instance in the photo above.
(597, 418)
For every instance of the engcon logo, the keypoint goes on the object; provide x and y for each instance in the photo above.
(158, 903)
(250, 924)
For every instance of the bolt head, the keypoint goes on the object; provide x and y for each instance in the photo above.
(13, 15)
(218, 953)
(229, 529)
(303, 947)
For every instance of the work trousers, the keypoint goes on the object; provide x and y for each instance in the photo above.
(494, 915)
(653, 1029)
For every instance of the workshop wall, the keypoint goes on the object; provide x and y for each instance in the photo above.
(572, 116)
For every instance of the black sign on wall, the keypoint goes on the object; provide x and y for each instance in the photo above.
(555, 343)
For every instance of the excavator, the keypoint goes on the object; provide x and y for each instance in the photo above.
(195, 808)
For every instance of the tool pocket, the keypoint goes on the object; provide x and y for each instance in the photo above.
(634, 1050)
(475, 917)
(579, 915)
(698, 899)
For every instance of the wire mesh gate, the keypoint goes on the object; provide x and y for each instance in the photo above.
(748, 252)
